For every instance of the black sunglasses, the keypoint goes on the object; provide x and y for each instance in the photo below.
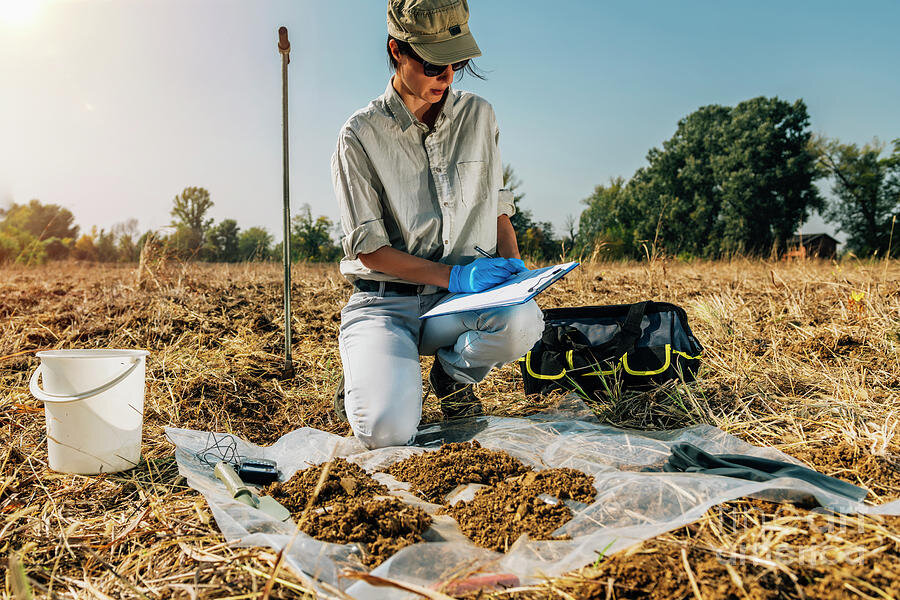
(432, 70)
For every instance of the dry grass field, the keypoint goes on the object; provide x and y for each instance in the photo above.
(801, 356)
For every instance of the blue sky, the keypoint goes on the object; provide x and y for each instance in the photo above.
(112, 107)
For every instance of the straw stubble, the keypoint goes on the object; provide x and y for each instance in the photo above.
(792, 361)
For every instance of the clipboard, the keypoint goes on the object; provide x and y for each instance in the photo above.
(518, 289)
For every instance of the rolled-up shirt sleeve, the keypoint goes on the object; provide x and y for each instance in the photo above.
(505, 202)
(357, 188)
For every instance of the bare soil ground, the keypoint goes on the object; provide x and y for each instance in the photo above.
(792, 361)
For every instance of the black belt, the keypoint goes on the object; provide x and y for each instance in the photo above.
(367, 285)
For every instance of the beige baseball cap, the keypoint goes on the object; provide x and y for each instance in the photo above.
(438, 30)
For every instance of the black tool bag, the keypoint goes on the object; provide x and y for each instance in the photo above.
(595, 349)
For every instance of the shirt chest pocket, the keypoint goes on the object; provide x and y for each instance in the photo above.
(472, 184)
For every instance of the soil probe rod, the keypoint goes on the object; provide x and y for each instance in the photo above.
(284, 47)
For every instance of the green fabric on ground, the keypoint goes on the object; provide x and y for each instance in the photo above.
(688, 458)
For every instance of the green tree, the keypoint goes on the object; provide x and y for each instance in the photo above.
(189, 218)
(84, 248)
(9, 246)
(254, 244)
(675, 201)
(767, 175)
(222, 241)
(866, 186)
(20, 246)
(605, 226)
(58, 249)
(43, 221)
(32, 253)
(311, 238)
(731, 179)
(105, 245)
(34, 232)
(186, 243)
(540, 242)
(127, 240)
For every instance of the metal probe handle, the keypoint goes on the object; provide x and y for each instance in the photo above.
(238, 490)
(284, 46)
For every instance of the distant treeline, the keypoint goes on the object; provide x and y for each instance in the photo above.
(33, 233)
(732, 181)
(742, 180)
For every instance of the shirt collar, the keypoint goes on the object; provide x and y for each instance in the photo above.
(401, 112)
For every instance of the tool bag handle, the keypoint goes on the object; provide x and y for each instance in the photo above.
(631, 329)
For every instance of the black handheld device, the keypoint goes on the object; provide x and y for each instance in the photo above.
(260, 471)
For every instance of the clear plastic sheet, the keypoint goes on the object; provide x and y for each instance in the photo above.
(631, 505)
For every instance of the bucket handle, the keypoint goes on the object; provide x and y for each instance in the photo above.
(43, 396)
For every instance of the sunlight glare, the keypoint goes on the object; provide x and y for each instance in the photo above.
(19, 12)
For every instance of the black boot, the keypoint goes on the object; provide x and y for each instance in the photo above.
(457, 399)
(337, 401)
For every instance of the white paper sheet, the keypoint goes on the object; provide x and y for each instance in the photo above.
(520, 288)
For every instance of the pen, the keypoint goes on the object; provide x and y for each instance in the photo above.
(481, 251)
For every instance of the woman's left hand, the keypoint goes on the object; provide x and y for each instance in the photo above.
(483, 273)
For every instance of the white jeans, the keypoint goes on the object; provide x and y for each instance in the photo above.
(382, 337)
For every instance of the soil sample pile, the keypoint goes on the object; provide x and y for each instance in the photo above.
(345, 480)
(499, 514)
(565, 484)
(381, 527)
(433, 475)
(347, 510)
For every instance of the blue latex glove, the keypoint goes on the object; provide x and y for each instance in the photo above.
(483, 273)
(519, 264)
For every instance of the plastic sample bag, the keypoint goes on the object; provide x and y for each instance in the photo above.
(630, 506)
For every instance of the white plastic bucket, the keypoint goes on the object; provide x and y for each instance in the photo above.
(94, 404)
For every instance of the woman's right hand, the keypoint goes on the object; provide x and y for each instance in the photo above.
(483, 273)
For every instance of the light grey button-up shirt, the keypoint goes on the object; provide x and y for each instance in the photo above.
(434, 193)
